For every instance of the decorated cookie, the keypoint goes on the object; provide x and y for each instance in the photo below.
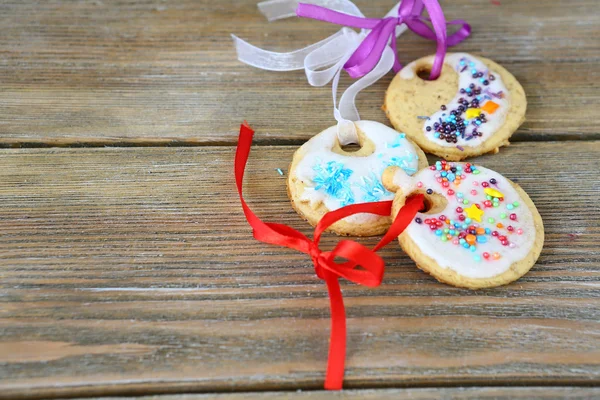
(471, 109)
(481, 230)
(324, 177)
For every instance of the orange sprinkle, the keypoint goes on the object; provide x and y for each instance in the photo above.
(496, 256)
(448, 221)
(490, 107)
(470, 239)
(499, 225)
(480, 231)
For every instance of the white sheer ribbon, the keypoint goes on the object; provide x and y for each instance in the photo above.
(323, 61)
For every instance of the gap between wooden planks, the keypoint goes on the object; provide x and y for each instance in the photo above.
(495, 393)
(132, 270)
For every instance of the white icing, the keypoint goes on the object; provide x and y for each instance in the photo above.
(494, 120)
(456, 257)
(391, 148)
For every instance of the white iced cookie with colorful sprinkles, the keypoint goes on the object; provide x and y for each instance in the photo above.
(324, 177)
(480, 230)
(472, 108)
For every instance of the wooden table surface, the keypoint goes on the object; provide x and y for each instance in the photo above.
(127, 267)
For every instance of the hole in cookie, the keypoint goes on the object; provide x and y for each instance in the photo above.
(351, 148)
(433, 203)
(364, 148)
(424, 73)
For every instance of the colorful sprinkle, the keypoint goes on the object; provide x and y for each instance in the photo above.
(490, 107)
(472, 113)
(474, 213)
(465, 226)
(333, 178)
(493, 192)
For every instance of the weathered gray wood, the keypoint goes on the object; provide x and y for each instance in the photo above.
(164, 72)
(133, 271)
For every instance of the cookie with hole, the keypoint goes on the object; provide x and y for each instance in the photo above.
(473, 107)
(478, 229)
(325, 176)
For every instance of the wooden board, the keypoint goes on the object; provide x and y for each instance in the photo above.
(496, 393)
(132, 271)
(149, 72)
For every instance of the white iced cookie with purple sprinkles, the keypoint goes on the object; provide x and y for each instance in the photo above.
(324, 177)
(480, 230)
(471, 109)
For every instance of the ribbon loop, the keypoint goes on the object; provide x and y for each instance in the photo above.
(370, 51)
(323, 61)
(371, 264)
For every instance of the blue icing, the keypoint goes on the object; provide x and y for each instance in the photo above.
(404, 163)
(396, 143)
(372, 187)
(349, 181)
(333, 179)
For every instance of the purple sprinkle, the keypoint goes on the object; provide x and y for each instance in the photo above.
(498, 95)
(465, 67)
(460, 148)
(469, 138)
(489, 92)
(422, 117)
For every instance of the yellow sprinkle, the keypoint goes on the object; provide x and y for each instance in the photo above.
(473, 112)
(493, 192)
(474, 213)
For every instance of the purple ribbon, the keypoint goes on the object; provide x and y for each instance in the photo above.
(368, 53)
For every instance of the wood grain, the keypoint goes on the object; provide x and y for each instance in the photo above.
(496, 393)
(132, 271)
(149, 72)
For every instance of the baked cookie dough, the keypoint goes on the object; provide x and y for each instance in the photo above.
(481, 230)
(471, 109)
(324, 177)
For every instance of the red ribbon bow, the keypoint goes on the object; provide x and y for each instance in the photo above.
(325, 268)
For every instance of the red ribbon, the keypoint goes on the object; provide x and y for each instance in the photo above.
(372, 264)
